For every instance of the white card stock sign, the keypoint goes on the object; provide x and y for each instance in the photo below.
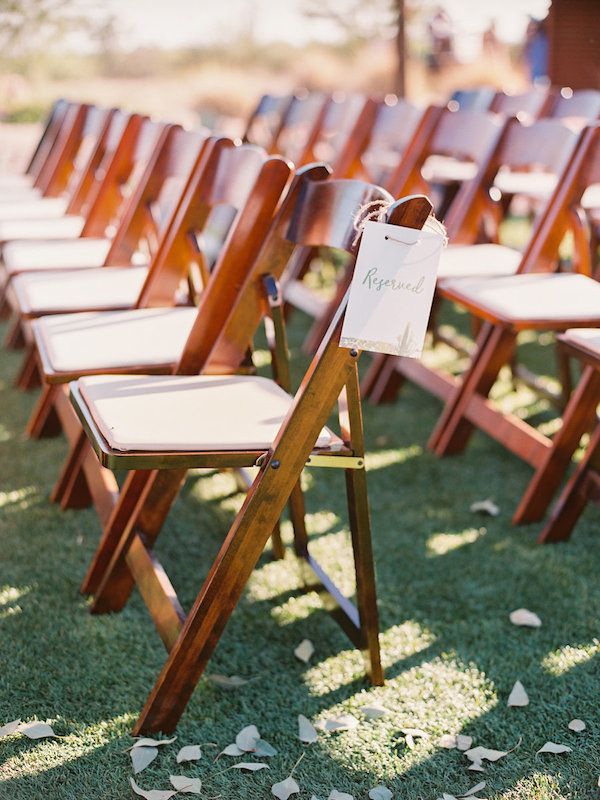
(392, 289)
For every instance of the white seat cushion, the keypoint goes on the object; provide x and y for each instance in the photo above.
(15, 180)
(60, 228)
(538, 185)
(591, 197)
(587, 339)
(39, 293)
(459, 261)
(114, 340)
(444, 169)
(188, 413)
(35, 208)
(54, 254)
(536, 297)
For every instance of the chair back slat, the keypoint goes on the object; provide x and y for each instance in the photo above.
(525, 105)
(479, 99)
(345, 115)
(54, 123)
(300, 126)
(266, 120)
(582, 104)
(55, 172)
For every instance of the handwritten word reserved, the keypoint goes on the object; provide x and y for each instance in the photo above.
(371, 281)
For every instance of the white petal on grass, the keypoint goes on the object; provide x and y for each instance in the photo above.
(232, 750)
(577, 725)
(10, 728)
(344, 722)
(190, 752)
(486, 506)
(374, 710)
(250, 766)
(304, 650)
(36, 730)
(306, 730)
(153, 742)
(556, 749)
(464, 742)
(152, 794)
(476, 766)
(285, 789)
(247, 738)
(187, 785)
(380, 793)
(525, 618)
(477, 788)
(478, 754)
(141, 757)
(335, 795)
(518, 696)
(448, 740)
(264, 749)
(227, 681)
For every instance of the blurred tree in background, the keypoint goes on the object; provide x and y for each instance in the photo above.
(27, 24)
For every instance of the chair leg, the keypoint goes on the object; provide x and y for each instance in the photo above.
(28, 376)
(71, 490)
(573, 499)
(564, 376)
(144, 502)
(14, 339)
(453, 429)
(371, 377)
(388, 384)
(44, 421)
(578, 418)
(366, 594)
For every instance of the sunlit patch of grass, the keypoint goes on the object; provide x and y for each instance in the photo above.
(441, 543)
(570, 656)
(385, 458)
(17, 498)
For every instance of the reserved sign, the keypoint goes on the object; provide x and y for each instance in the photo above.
(392, 289)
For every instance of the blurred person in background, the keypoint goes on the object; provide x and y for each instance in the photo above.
(536, 50)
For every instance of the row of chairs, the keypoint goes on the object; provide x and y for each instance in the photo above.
(197, 232)
(162, 341)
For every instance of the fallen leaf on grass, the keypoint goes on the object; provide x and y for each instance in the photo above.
(577, 725)
(264, 749)
(374, 711)
(486, 506)
(464, 742)
(335, 795)
(232, 750)
(227, 681)
(479, 754)
(251, 766)
(141, 757)
(247, 738)
(525, 618)
(306, 730)
(518, 696)
(152, 794)
(474, 790)
(380, 793)
(285, 789)
(345, 722)
(153, 742)
(304, 650)
(476, 766)
(448, 740)
(185, 784)
(36, 730)
(552, 747)
(191, 752)
(9, 728)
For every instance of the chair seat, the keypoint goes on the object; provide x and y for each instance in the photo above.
(476, 260)
(538, 185)
(591, 197)
(54, 254)
(15, 180)
(444, 169)
(562, 299)
(60, 228)
(111, 288)
(585, 339)
(24, 208)
(184, 413)
(124, 341)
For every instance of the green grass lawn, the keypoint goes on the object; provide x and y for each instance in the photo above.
(447, 581)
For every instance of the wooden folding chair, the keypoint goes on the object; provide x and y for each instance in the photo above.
(23, 185)
(300, 127)
(579, 417)
(537, 299)
(375, 153)
(266, 120)
(279, 434)
(449, 147)
(529, 105)
(474, 217)
(582, 104)
(479, 99)
(68, 346)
